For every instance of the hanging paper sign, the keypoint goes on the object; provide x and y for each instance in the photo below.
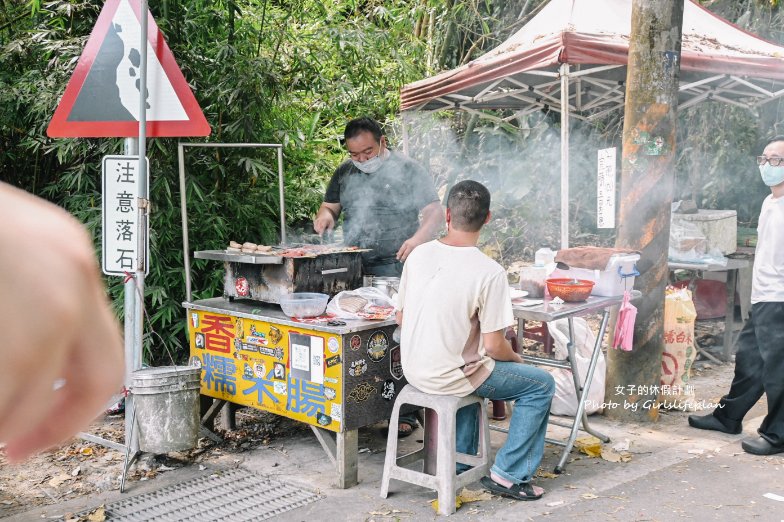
(605, 189)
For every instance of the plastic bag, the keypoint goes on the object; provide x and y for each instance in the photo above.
(687, 241)
(565, 399)
(679, 350)
(363, 303)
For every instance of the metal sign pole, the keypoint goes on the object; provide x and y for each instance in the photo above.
(135, 361)
(131, 149)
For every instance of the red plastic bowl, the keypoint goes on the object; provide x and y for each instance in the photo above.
(570, 290)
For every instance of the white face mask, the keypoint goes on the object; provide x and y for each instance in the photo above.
(373, 164)
(771, 175)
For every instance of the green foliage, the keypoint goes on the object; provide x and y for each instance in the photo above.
(270, 72)
(294, 72)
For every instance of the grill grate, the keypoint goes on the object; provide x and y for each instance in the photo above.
(235, 496)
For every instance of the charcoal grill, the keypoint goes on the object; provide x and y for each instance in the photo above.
(268, 277)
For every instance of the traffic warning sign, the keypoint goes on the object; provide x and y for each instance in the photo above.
(102, 96)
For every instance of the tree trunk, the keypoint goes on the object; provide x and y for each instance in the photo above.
(648, 161)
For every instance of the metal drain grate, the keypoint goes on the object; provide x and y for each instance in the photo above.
(235, 496)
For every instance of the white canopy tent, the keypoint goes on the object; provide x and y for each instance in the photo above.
(573, 54)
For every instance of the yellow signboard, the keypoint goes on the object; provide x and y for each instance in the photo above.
(289, 371)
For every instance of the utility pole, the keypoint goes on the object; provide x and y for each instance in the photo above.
(648, 161)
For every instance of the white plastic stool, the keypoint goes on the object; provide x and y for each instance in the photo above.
(446, 481)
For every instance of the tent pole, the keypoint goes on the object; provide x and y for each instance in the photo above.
(564, 155)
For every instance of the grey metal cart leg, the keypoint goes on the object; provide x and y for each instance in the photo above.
(342, 452)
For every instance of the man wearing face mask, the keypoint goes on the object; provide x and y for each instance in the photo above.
(759, 363)
(381, 194)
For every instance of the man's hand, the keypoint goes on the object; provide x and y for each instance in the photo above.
(408, 246)
(325, 217)
(432, 222)
(60, 345)
(499, 348)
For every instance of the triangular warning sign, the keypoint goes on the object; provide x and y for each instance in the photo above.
(102, 97)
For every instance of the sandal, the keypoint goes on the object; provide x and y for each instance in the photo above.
(523, 491)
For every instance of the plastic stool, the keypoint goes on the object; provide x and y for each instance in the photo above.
(442, 434)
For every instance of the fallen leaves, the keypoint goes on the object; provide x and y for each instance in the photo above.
(465, 496)
(593, 447)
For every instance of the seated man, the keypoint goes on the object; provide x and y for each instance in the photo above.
(454, 308)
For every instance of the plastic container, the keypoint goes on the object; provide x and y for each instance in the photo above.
(304, 304)
(613, 280)
(532, 280)
(544, 256)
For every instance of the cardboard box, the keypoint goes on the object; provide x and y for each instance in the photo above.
(719, 226)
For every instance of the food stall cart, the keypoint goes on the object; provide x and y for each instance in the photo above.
(335, 376)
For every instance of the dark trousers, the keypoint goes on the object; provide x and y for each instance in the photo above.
(759, 368)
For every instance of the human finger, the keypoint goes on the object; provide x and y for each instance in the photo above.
(93, 371)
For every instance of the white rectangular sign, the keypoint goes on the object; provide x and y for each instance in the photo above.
(121, 183)
(605, 189)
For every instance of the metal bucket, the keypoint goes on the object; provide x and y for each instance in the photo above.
(388, 285)
(166, 400)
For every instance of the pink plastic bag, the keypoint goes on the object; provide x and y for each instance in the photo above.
(624, 328)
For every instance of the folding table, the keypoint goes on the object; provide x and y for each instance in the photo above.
(732, 267)
(549, 311)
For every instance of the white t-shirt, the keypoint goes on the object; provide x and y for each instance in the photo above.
(767, 283)
(449, 296)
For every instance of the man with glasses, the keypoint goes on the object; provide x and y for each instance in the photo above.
(381, 194)
(759, 363)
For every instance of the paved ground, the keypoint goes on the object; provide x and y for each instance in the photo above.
(675, 473)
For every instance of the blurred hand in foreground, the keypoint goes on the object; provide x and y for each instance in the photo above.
(61, 354)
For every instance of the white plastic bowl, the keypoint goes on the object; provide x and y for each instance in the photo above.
(304, 304)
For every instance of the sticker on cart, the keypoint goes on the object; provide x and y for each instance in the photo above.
(195, 319)
(307, 357)
(336, 412)
(195, 361)
(275, 335)
(333, 345)
(330, 393)
(395, 363)
(357, 367)
(200, 341)
(258, 340)
(279, 371)
(362, 392)
(247, 371)
(356, 342)
(331, 380)
(239, 329)
(333, 361)
(242, 287)
(377, 346)
(388, 393)
(323, 420)
(279, 388)
(259, 370)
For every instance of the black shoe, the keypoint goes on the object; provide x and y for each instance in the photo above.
(710, 422)
(760, 446)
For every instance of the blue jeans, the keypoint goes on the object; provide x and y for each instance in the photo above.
(532, 390)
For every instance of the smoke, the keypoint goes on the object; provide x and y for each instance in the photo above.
(519, 162)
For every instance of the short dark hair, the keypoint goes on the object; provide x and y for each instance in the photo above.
(469, 205)
(774, 139)
(360, 125)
